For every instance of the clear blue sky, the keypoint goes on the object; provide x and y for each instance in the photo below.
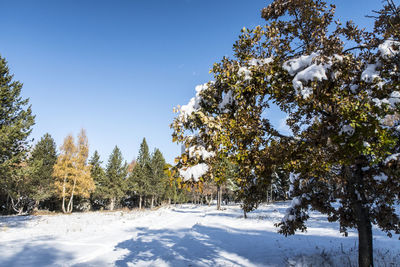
(117, 68)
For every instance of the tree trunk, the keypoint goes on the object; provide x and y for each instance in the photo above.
(271, 195)
(244, 214)
(70, 204)
(365, 251)
(152, 202)
(36, 207)
(169, 201)
(63, 205)
(140, 202)
(20, 210)
(112, 203)
(71, 199)
(63, 196)
(219, 197)
(363, 221)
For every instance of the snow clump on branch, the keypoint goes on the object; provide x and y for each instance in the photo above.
(304, 70)
(243, 71)
(389, 48)
(194, 172)
(260, 62)
(194, 103)
(200, 151)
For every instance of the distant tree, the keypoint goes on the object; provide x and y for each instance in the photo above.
(16, 120)
(20, 201)
(280, 184)
(72, 173)
(157, 177)
(169, 185)
(42, 161)
(99, 195)
(139, 178)
(116, 174)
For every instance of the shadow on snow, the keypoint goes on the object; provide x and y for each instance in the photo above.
(36, 255)
(210, 246)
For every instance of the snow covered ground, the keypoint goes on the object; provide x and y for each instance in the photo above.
(184, 235)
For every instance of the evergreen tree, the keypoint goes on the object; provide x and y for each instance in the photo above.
(16, 120)
(99, 196)
(170, 189)
(42, 160)
(280, 184)
(20, 200)
(116, 172)
(157, 178)
(144, 154)
(139, 178)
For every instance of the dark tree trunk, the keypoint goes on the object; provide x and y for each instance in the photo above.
(365, 251)
(361, 212)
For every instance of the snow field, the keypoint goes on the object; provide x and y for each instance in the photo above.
(184, 235)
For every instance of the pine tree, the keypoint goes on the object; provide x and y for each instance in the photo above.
(99, 195)
(116, 174)
(20, 200)
(16, 120)
(72, 173)
(157, 177)
(170, 190)
(139, 178)
(42, 160)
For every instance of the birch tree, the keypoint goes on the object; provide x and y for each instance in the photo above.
(71, 171)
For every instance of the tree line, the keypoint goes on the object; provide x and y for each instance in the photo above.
(70, 180)
(33, 178)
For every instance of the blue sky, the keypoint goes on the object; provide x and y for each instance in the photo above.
(117, 68)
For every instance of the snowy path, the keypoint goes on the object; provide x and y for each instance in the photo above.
(179, 236)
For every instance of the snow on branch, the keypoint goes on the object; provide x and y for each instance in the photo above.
(290, 214)
(389, 48)
(200, 151)
(347, 129)
(260, 61)
(304, 70)
(295, 65)
(391, 157)
(194, 103)
(393, 100)
(227, 99)
(243, 71)
(370, 73)
(381, 177)
(194, 172)
(292, 178)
